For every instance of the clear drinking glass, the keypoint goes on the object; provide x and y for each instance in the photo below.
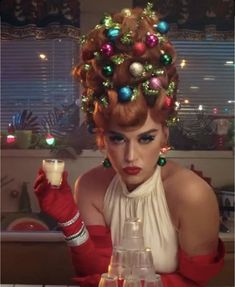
(153, 281)
(119, 263)
(53, 169)
(142, 263)
(108, 280)
(131, 281)
(133, 234)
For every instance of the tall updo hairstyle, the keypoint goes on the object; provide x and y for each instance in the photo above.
(127, 70)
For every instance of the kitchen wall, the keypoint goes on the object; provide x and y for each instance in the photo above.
(22, 166)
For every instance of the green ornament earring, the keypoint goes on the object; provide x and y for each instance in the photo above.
(106, 163)
(161, 160)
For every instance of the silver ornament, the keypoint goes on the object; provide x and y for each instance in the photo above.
(136, 69)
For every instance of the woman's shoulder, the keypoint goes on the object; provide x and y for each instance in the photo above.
(95, 180)
(184, 186)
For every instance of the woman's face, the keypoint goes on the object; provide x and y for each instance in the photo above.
(134, 152)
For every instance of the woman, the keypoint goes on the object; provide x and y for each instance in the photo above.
(130, 83)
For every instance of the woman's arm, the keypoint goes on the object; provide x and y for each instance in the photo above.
(90, 247)
(200, 252)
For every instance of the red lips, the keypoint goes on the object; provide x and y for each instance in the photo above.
(132, 170)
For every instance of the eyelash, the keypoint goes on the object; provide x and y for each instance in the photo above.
(146, 139)
(116, 139)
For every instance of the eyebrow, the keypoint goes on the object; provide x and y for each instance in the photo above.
(142, 134)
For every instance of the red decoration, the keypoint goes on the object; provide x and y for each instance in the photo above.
(139, 48)
(168, 102)
(11, 139)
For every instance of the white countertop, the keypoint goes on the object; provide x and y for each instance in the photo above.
(56, 236)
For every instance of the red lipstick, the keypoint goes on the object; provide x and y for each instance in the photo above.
(132, 170)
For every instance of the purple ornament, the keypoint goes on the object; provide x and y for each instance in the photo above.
(107, 50)
(151, 40)
(155, 83)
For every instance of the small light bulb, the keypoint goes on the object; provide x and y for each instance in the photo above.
(215, 111)
(50, 140)
(183, 63)
(200, 107)
(11, 139)
(43, 57)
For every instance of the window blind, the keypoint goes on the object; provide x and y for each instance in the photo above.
(29, 81)
(206, 72)
(36, 75)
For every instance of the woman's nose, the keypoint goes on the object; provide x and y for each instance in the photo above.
(130, 153)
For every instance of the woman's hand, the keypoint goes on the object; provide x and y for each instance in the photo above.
(56, 202)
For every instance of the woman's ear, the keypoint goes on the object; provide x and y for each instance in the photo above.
(165, 131)
(100, 140)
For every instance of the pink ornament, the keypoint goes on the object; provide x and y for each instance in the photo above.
(155, 83)
(139, 49)
(107, 50)
(151, 40)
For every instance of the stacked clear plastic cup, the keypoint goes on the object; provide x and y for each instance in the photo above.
(107, 280)
(142, 264)
(131, 281)
(119, 264)
(153, 281)
(133, 238)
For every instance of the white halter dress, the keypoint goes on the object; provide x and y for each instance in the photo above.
(148, 203)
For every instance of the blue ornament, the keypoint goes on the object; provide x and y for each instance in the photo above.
(162, 27)
(125, 94)
(113, 33)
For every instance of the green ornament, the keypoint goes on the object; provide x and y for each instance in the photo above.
(165, 59)
(106, 163)
(134, 94)
(107, 21)
(118, 59)
(127, 39)
(84, 101)
(97, 55)
(158, 72)
(86, 67)
(171, 89)
(147, 90)
(98, 26)
(161, 161)
(103, 101)
(107, 70)
(148, 67)
(107, 84)
(148, 11)
(82, 40)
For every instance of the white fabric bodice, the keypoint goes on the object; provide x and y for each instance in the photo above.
(148, 203)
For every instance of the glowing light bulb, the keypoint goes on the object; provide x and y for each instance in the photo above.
(43, 57)
(215, 111)
(11, 139)
(200, 107)
(186, 101)
(183, 63)
(50, 140)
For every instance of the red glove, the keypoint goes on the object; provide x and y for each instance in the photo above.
(56, 202)
(91, 251)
